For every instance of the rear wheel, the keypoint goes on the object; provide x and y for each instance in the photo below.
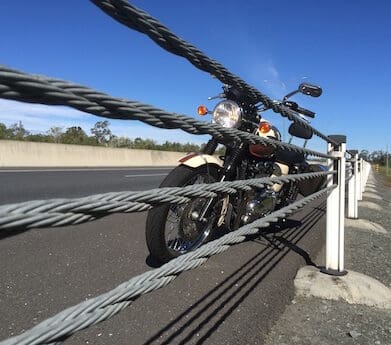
(171, 229)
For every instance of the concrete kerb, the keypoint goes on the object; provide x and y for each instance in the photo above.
(371, 205)
(371, 190)
(372, 195)
(363, 224)
(354, 287)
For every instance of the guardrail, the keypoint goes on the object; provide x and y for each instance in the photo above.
(59, 212)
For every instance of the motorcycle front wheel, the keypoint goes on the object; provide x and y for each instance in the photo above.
(171, 229)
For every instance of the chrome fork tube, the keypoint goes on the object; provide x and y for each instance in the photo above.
(201, 217)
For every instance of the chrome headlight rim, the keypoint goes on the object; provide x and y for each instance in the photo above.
(232, 118)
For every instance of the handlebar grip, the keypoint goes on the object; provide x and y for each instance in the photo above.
(305, 112)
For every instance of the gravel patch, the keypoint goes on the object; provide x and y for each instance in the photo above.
(314, 321)
(382, 217)
(369, 253)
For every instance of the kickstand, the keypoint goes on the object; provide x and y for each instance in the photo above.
(271, 240)
(271, 237)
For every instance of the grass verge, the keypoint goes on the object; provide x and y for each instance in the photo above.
(383, 172)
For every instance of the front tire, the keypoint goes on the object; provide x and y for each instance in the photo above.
(191, 234)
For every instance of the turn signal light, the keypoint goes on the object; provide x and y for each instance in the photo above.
(264, 127)
(202, 110)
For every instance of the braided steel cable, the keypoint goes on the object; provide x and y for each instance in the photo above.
(61, 212)
(136, 19)
(102, 307)
(21, 86)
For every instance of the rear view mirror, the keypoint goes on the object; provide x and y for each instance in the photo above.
(310, 89)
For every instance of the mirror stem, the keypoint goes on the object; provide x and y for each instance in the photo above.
(290, 94)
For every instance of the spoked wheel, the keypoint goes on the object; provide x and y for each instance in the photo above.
(173, 230)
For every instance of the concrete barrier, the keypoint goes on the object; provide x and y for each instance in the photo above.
(33, 154)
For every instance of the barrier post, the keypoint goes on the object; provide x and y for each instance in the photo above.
(362, 177)
(365, 174)
(335, 219)
(367, 171)
(359, 177)
(353, 188)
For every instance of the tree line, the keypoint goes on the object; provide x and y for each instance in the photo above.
(101, 135)
(375, 157)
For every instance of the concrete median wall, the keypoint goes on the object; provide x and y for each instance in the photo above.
(32, 154)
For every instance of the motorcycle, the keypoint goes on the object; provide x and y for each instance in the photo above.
(172, 230)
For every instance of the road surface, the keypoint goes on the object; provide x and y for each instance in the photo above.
(233, 298)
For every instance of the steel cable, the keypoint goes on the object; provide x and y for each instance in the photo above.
(137, 19)
(21, 86)
(61, 212)
(102, 307)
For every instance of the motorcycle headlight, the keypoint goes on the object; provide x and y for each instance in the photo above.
(227, 114)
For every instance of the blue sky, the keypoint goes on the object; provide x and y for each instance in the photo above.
(344, 46)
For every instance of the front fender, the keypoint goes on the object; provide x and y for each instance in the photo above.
(194, 160)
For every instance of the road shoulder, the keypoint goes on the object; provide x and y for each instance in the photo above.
(311, 320)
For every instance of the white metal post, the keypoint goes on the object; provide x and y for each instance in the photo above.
(364, 173)
(359, 178)
(335, 226)
(332, 210)
(356, 180)
(352, 189)
(368, 170)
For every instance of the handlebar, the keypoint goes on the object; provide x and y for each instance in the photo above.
(305, 112)
(294, 106)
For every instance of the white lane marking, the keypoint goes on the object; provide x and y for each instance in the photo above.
(146, 175)
(78, 169)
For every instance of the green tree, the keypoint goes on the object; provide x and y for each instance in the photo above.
(102, 132)
(364, 154)
(122, 142)
(378, 157)
(75, 135)
(55, 133)
(101, 135)
(145, 144)
(4, 133)
(17, 131)
(42, 138)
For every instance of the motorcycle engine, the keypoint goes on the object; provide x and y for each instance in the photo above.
(260, 202)
(259, 205)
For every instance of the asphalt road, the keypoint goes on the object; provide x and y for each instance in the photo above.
(233, 298)
(28, 184)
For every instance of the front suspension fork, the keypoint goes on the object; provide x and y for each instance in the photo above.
(229, 170)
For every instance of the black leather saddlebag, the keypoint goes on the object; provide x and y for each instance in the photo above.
(310, 186)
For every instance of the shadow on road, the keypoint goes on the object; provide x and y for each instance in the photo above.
(211, 310)
(21, 228)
